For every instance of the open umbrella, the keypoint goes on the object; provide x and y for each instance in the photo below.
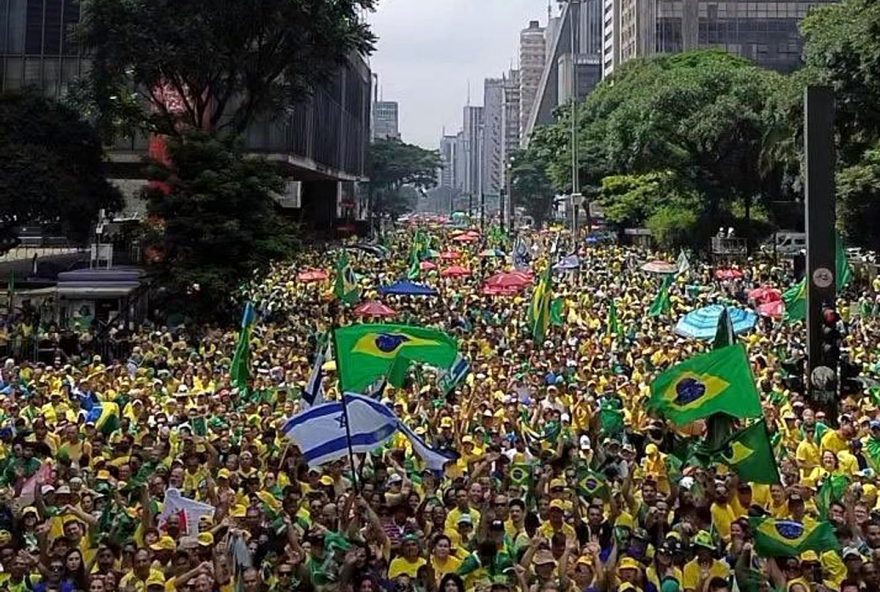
(455, 271)
(498, 291)
(467, 237)
(765, 294)
(450, 255)
(407, 288)
(728, 274)
(773, 309)
(703, 322)
(427, 266)
(492, 253)
(661, 267)
(312, 275)
(371, 308)
(507, 282)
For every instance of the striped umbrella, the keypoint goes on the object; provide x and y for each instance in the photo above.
(703, 322)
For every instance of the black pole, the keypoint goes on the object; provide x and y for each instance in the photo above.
(354, 477)
(821, 248)
(482, 209)
(501, 209)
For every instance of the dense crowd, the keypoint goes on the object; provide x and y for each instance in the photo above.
(83, 505)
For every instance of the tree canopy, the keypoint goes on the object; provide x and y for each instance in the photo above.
(215, 65)
(394, 165)
(51, 169)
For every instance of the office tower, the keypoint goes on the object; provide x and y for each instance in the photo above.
(385, 120)
(493, 136)
(510, 115)
(532, 57)
(449, 148)
(472, 128)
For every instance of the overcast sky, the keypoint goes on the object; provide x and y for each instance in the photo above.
(429, 49)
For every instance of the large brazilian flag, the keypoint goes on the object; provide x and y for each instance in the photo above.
(539, 308)
(787, 538)
(720, 381)
(367, 352)
(749, 453)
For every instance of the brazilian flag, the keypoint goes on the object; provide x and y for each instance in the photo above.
(557, 312)
(539, 309)
(367, 352)
(795, 299)
(724, 334)
(720, 381)
(345, 288)
(787, 538)
(591, 484)
(832, 490)
(872, 452)
(241, 361)
(749, 453)
(661, 303)
(105, 416)
(521, 475)
(613, 326)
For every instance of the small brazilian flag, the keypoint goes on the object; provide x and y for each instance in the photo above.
(720, 381)
(832, 490)
(787, 538)
(345, 288)
(613, 326)
(521, 475)
(661, 303)
(591, 484)
(367, 352)
(749, 453)
(240, 369)
(539, 309)
(795, 299)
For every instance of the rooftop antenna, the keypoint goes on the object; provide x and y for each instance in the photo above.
(469, 93)
(549, 10)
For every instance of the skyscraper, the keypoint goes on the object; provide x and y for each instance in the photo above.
(385, 120)
(765, 32)
(510, 115)
(449, 148)
(493, 136)
(472, 128)
(532, 57)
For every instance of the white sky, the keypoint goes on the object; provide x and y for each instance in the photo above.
(428, 50)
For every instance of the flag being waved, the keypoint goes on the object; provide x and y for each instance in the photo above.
(539, 309)
(749, 453)
(367, 352)
(795, 298)
(241, 361)
(345, 287)
(725, 335)
(662, 304)
(613, 326)
(787, 538)
(720, 381)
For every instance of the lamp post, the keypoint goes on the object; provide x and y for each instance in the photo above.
(576, 197)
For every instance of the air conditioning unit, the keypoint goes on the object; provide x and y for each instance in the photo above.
(291, 198)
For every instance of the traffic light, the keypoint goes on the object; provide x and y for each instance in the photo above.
(831, 336)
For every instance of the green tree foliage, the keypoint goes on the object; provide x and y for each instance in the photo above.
(397, 170)
(51, 169)
(214, 222)
(531, 185)
(215, 65)
(858, 192)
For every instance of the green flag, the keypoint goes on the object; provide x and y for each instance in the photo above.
(345, 287)
(720, 381)
(748, 453)
(795, 299)
(398, 371)
(872, 452)
(613, 325)
(367, 352)
(611, 417)
(787, 538)
(832, 490)
(414, 269)
(724, 334)
(557, 312)
(843, 272)
(661, 303)
(521, 475)
(239, 370)
(539, 309)
(591, 484)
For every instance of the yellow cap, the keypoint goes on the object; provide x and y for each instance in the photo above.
(624, 520)
(326, 480)
(628, 563)
(165, 543)
(156, 579)
(557, 505)
(206, 539)
(223, 473)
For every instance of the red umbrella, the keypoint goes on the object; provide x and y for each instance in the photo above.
(466, 238)
(427, 266)
(312, 275)
(450, 255)
(371, 308)
(514, 281)
(765, 294)
(497, 291)
(455, 271)
(774, 309)
(728, 274)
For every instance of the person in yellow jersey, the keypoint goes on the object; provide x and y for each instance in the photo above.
(837, 440)
(702, 568)
(556, 522)
(410, 560)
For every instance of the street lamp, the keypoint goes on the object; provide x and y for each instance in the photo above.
(573, 22)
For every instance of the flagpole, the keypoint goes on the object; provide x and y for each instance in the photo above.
(354, 476)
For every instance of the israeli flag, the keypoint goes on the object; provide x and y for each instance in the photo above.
(435, 460)
(320, 432)
(520, 255)
(314, 391)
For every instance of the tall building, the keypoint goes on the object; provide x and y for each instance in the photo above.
(765, 32)
(385, 120)
(493, 136)
(460, 168)
(472, 128)
(449, 148)
(510, 116)
(532, 57)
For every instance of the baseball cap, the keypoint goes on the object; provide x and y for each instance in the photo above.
(557, 505)
(156, 579)
(628, 563)
(704, 539)
(466, 519)
(165, 543)
(206, 539)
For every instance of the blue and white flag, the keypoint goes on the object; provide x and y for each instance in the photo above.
(321, 436)
(450, 378)
(320, 432)
(520, 255)
(435, 460)
(568, 263)
(314, 391)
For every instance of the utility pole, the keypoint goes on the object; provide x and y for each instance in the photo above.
(482, 210)
(823, 338)
(576, 198)
(501, 207)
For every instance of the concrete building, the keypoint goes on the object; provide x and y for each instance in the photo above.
(449, 149)
(385, 120)
(532, 57)
(472, 128)
(493, 136)
(321, 142)
(765, 32)
(510, 116)
(460, 168)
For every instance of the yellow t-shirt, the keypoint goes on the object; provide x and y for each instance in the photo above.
(450, 565)
(807, 455)
(722, 518)
(833, 442)
(546, 530)
(403, 566)
(691, 573)
(453, 516)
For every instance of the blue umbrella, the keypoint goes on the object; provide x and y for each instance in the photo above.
(703, 322)
(407, 288)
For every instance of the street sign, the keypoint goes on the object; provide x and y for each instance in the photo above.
(577, 199)
(823, 277)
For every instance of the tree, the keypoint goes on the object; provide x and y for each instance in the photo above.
(394, 165)
(214, 222)
(216, 65)
(51, 169)
(858, 192)
(532, 188)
